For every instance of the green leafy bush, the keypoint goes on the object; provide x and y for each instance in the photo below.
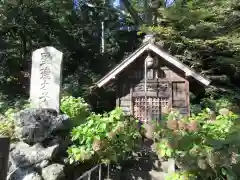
(76, 108)
(6, 127)
(7, 119)
(7, 124)
(107, 137)
(207, 144)
(217, 104)
(182, 175)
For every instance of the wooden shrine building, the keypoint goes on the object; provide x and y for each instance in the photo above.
(166, 85)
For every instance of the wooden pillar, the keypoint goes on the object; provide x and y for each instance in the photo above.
(118, 93)
(4, 153)
(131, 100)
(187, 96)
(170, 95)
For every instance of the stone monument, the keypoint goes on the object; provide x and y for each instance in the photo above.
(46, 78)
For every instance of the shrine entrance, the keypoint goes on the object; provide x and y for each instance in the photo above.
(150, 82)
(156, 107)
(152, 104)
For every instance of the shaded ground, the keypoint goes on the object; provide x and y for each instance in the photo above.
(144, 165)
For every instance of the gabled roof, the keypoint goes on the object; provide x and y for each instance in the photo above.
(151, 46)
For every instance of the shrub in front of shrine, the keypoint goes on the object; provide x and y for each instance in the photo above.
(7, 127)
(104, 138)
(76, 108)
(181, 175)
(206, 144)
(6, 123)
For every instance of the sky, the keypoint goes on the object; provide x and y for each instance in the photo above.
(168, 3)
(116, 3)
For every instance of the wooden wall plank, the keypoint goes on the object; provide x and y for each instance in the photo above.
(131, 100)
(187, 96)
(118, 93)
(132, 86)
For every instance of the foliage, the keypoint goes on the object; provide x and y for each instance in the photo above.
(6, 127)
(216, 105)
(76, 108)
(224, 102)
(107, 137)
(28, 25)
(206, 144)
(7, 119)
(204, 36)
(182, 175)
(7, 124)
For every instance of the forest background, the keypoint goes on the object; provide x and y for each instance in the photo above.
(204, 35)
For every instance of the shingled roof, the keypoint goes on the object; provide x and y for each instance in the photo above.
(150, 45)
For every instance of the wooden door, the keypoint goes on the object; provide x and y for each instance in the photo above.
(180, 96)
(153, 104)
(156, 107)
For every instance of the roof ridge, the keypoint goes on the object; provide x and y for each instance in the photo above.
(149, 45)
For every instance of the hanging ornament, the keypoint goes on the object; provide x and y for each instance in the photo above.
(151, 62)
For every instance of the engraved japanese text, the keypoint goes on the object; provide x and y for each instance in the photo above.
(45, 76)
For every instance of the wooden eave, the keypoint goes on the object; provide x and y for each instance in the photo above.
(163, 54)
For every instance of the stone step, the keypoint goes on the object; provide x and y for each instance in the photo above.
(144, 164)
(135, 175)
(144, 154)
(158, 175)
(140, 175)
(168, 166)
(141, 170)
